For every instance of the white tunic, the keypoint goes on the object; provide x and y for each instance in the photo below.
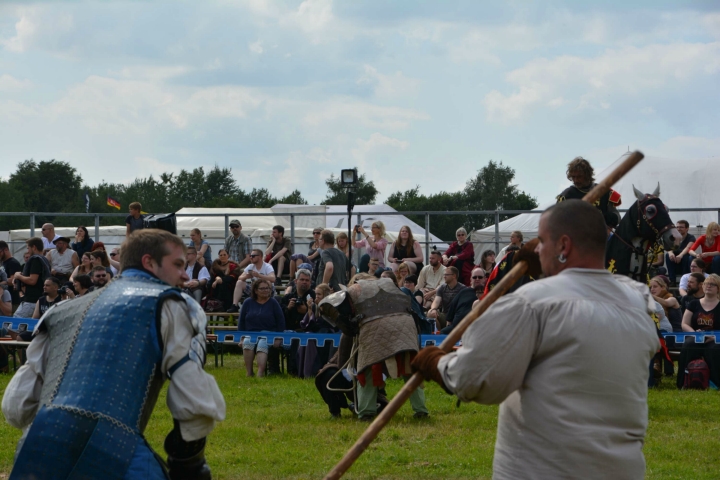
(567, 359)
(193, 396)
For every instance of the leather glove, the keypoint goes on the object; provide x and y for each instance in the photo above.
(426, 361)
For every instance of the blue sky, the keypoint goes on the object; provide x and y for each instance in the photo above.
(412, 93)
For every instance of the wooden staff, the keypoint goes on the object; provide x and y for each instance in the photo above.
(456, 334)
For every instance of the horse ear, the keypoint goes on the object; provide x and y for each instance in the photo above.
(640, 195)
(656, 193)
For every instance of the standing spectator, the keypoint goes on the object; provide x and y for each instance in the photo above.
(443, 297)
(406, 250)
(696, 266)
(374, 245)
(202, 247)
(63, 260)
(681, 261)
(83, 243)
(707, 247)
(281, 250)
(197, 274)
(343, 244)
(134, 221)
(487, 261)
(260, 313)
(11, 266)
(100, 259)
(48, 237)
(85, 267)
(238, 245)
(34, 273)
(516, 239)
(298, 259)
(431, 277)
(334, 265)
(257, 270)
(51, 297)
(461, 255)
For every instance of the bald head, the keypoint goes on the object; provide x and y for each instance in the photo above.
(580, 221)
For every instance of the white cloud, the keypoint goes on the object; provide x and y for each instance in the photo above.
(314, 15)
(256, 47)
(8, 83)
(38, 26)
(365, 114)
(389, 86)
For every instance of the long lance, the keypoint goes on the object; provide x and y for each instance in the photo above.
(455, 335)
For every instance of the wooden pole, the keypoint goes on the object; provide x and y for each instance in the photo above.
(507, 281)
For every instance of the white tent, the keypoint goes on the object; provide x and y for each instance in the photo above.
(684, 184)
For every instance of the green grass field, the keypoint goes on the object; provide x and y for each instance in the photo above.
(278, 427)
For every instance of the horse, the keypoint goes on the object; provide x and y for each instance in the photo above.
(646, 221)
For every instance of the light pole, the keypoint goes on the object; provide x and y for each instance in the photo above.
(349, 180)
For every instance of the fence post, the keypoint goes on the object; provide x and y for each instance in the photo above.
(354, 235)
(497, 231)
(32, 225)
(427, 239)
(292, 231)
(227, 226)
(97, 227)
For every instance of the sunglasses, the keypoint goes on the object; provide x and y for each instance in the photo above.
(100, 276)
(234, 226)
(317, 233)
(253, 255)
(113, 254)
(478, 278)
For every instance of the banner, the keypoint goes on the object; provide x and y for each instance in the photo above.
(113, 203)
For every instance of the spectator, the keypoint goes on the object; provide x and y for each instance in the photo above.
(63, 260)
(5, 311)
(465, 300)
(281, 250)
(83, 243)
(229, 266)
(52, 296)
(85, 266)
(198, 275)
(702, 315)
(202, 247)
(374, 244)
(295, 303)
(224, 275)
(696, 266)
(461, 255)
(694, 289)
(11, 266)
(487, 261)
(260, 313)
(311, 358)
(374, 268)
(35, 271)
(100, 259)
(410, 283)
(655, 258)
(444, 296)
(516, 238)
(406, 250)
(431, 277)
(707, 247)
(313, 254)
(134, 221)
(257, 270)
(312, 321)
(343, 244)
(237, 245)
(115, 260)
(48, 237)
(403, 270)
(681, 261)
(671, 307)
(98, 247)
(82, 285)
(100, 277)
(389, 274)
(334, 266)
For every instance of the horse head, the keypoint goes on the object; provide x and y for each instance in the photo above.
(653, 220)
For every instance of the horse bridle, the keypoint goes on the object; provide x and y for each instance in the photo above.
(641, 213)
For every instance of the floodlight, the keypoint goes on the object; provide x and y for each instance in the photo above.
(349, 177)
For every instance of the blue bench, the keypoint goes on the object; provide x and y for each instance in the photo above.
(18, 324)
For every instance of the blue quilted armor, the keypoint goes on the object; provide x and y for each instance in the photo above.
(102, 381)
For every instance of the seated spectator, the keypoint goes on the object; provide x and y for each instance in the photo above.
(431, 277)
(291, 284)
(374, 268)
(410, 283)
(82, 285)
(464, 301)
(260, 313)
(98, 247)
(334, 266)
(5, 299)
(655, 258)
(51, 297)
(694, 290)
(461, 255)
(202, 247)
(516, 239)
(257, 270)
(100, 277)
(198, 275)
(295, 307)
(85, 266)
(707, 247)
(701, 316)
(696, 266)
(34, 273)
(134, 221)
(680, 262)
(671, 307)
(279, 250)
(406, 250)
(11, 266)
(402, 271)
(444, 296)
(343, 244)
(230, 267)
(115, 260)
(63, 260)
(312, 357)
(312, 321)
(389, 274)
(83, 243)
(100, 259)
(313, 254)
(238, 245)
(487, 261)
(223, 279)
(48, 237)
(374, 245)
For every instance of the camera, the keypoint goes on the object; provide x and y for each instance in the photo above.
(62, 290)
(357, 228)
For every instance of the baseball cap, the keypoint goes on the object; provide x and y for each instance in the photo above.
(235, 222)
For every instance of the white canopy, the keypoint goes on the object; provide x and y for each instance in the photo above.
(683, 184)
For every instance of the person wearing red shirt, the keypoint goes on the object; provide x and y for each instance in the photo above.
(707, 247)
(461, 255)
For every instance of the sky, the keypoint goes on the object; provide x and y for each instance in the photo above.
(412, 93)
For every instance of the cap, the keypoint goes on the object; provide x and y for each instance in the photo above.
(235, 222)
(306, 266)
(61, 239)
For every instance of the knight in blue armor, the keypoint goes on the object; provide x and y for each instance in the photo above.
(96, 366)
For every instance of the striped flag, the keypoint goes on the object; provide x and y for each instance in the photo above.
(87, 202)
(112, 202)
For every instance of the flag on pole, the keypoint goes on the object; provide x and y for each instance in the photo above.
(87, 202)
(112, 202)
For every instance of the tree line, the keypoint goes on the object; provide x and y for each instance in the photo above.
(56, 186)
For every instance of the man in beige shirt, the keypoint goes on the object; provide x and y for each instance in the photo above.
(566, 358)
(431, 277)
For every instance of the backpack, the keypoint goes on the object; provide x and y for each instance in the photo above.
(697, 375)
